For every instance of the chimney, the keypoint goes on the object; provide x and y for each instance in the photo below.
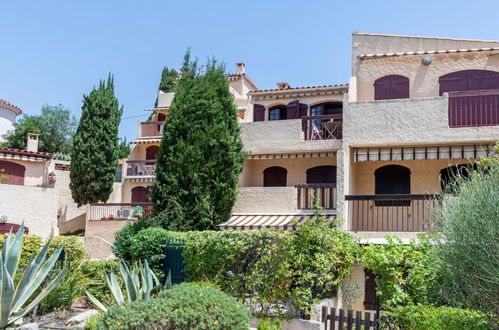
(283, 85)
(240, 68)
(32, 142)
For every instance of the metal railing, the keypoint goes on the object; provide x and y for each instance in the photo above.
(151, 128)
(119, 211)
(474, 108)
(397, 213)
(325, 193)
(324, 127)
(141, 167)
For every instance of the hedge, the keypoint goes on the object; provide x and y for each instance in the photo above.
(95, 270)
(274, 271)
(437, 318)
(184, 307)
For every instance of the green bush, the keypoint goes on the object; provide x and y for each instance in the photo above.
(184, 307)
(93, 321)
(124, 236)
(32, 244)
(95, 270)
(74, 250)
(270, 324)
(437, 318)
(405, 273)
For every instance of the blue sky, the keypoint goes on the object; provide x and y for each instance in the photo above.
(56, 51)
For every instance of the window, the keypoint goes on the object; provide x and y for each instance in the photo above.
(14, 172)
(278, 113)
(275, 176)
(391, 87)
(392, 179)
(330, 108)
(140, 194)
(449, 174)
(152, 152)
(321, 174)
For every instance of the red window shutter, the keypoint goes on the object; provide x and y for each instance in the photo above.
(161, 117)
(391, 87)
(14, 172)
(303, 110)
(469, 80)
(258, 112)
(152, 152)
(456, 81)
(293, 110)
(140, 194)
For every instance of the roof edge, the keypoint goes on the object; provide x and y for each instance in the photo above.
(420, 37)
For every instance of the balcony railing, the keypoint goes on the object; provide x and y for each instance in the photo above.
(141, 167)
(474, 108)
(397, 213)
(119, 211)
(151, 128)
(324, 193)
(324, 127)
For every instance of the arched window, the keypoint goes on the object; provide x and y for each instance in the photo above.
(152, 152)
(161, 117)
(140, 194)
(321, 174)
(275, 176)
(469, 80)
(391, 87)
(14, 172)
(450, 174)
(279, 112)
(329, 108)
(392, 179)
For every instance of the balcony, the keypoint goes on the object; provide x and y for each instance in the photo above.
(474, 108)
(151, 129)
(139, 168)
(324, 194)
(391, 213)
(324, 127)
(119, 211)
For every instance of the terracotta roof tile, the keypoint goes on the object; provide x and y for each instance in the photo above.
(25, 153)
(10, 106)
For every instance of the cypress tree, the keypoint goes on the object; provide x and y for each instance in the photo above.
(94, 157)
(201, 155)
(168, 80)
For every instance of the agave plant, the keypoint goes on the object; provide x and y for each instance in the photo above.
(139, 282)
(13, 298)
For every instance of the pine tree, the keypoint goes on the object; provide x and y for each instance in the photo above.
(201, 155)
(94, 157)
(168, 80)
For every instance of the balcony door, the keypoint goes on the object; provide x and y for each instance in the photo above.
(392, 180)
(321, 174)
(469, 80)
(275, 176)
(152, 152)
(140, 194)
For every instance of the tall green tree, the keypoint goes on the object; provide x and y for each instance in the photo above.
(168, 81)
(201, 155)
(123, 148)
(95, 152)
(55, 125)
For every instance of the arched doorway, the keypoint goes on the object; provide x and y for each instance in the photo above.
(275, 176)
(140, 194)
(449, 174)
(321, 174)
(152, 152)
(392, 180)
(14, 172)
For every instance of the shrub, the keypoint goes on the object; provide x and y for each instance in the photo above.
(31, 246)
(405, 273)
(74, 250)
(270, 324)
(92, 322)
(469, 240)
(95, 270)
(124, 236)
(437, 318)
(184, 307)
(149, 244)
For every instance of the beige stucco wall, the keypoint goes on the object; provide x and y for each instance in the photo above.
(407, 121)
(35, 205)
(423, 79)
(265, 200)
(281, 136)
(252, 175)
(36, 171)
(104, 229)
(126, 190)
(138, 152)
(424, 174)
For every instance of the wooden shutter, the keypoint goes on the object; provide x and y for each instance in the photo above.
(321, 174)
(161, 117)
(370, 298)
(140, 195)
(14, 172)
(152, 152)
(392, 179)
(468, 80)
(391, 87)
(275, 176)
(303, 110)
(258, 112)
(293, 110)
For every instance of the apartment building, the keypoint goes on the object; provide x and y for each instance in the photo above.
(373, 152)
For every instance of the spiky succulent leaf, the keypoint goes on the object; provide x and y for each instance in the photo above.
(96, 302)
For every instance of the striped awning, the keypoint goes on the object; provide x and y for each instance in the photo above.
(146, 141)
(292, 155)
(425, 152)
(247, 221)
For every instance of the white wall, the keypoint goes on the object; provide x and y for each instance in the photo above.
(36, 206)
(7, 119)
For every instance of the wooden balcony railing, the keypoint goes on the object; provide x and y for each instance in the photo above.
(119, 211)
(324, 192)
(141, 167)
(324, 127)
(474, 108)
(151, 128)
(397, 213)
